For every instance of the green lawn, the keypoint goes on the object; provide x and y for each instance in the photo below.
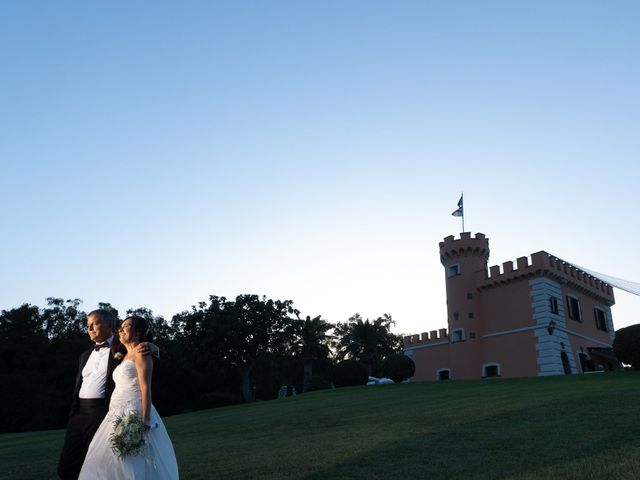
(580, 426)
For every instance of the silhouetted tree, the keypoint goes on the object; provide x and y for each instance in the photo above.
(311, 342)
(226, 338)
(367, 341)
(107, 306)
(626, 345)
(398, 367)
(64, 319)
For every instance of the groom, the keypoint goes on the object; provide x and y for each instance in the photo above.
(94, 386)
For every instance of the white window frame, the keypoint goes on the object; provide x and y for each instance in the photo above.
(453, 332)
(443, 370)
(491, 364)
(604, 317)
(553, 302)
(453, 270)
(570, 312)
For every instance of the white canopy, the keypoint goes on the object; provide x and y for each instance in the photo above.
(626, 285)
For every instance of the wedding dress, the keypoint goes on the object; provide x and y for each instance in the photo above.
(157, 460)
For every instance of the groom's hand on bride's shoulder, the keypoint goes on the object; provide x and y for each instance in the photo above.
(148, 348)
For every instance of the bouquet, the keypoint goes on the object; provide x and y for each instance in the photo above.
(128, 434)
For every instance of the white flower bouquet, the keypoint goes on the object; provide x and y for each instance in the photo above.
(128, 434)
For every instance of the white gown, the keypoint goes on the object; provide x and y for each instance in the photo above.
(157, 461)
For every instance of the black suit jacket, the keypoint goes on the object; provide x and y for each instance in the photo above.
(116, 347)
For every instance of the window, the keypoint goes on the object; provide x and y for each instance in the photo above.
(601, 319)
(491, 370)
(453, 270)
(573, 308)
(469, 296)
(566, 366)
(443, 374)
(586, 363)
(553, 301)
(456, 315)
(457, 335)
(471, 315)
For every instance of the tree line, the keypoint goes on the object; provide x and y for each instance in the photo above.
(220, 352)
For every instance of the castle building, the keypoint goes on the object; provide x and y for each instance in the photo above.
(542, 316)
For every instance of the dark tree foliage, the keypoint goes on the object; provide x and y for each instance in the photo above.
(367, 341)
(626, 345)
(398, 367)
(38, 360)
(217, 353)
(107, 306)
(311, 343)
(245, 342)
(64, 319)
(349, 373)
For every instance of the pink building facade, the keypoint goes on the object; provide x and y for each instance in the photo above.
(541, 316)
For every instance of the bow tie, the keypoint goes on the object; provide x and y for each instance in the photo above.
(98, 346)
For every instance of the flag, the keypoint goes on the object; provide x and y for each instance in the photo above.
(460, 211)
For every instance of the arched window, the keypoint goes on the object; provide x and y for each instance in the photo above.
(565, 363)
(443, 374)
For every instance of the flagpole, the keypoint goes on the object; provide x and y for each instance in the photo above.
(459, 212)
(461, 199)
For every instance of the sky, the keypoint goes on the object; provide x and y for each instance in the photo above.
(154, 153)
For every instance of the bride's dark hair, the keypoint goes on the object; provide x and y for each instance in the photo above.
(141, 325)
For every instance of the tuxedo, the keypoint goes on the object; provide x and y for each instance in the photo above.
(87, 414)
(115, 348)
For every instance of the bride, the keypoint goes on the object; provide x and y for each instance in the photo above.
(132, 394)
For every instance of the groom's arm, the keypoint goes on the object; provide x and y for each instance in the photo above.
(148, 348)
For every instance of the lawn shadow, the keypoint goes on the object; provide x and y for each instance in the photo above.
(550, 441)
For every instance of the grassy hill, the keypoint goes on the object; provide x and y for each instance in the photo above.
(580, 426)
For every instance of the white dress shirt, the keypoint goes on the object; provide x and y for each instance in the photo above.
(94, 373)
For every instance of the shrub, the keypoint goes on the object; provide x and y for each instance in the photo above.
(626, 345)
(349, 373)
(318, 383)
(398, 367)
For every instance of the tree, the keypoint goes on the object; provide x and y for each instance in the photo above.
(110, 308)
(228, 338)
(30, 399)
(65, 325)
(367, 341)
(350, 373)
(23, 340)
(311, 342)
(64, 319)
(398, 367)
(626, 345)
(160, 328)
(260, 327)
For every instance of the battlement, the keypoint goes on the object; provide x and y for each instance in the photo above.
(425, 338)
(544, 264)
(452, 242)
(465, 246)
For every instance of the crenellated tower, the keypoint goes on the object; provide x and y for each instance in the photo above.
(461, 259)
(539, 316)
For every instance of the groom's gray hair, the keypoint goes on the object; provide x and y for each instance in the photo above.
(105, 316)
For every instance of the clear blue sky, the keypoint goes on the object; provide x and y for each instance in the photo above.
(154, 153)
